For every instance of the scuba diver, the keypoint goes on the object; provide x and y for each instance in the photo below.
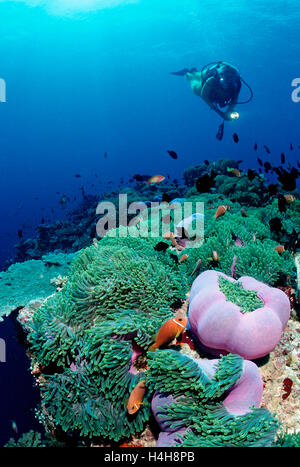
(219, 85)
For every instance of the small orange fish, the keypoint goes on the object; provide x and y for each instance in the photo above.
(183, 258)
(169, 235)
(289, 198)
(235, 172)
(243, 212)
(211, 207)
(136, 397)
(221, 210)
(196, 267)
(95, 243)
(215, 255)
(170, 330)
(174, 241)
(156, 179)
(280, 249)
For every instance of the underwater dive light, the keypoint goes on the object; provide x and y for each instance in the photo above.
(234, 115)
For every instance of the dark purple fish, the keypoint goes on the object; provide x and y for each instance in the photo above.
(173, 154)
(291, 147)
(282, 203)
(251, 174)
(235, 138)
(272, 189)
(267, 166)
(220, 133)
(259, 161)
(267, 149)
(255, 147)
(282, 156)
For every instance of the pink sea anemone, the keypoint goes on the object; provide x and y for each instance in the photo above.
(221, 325)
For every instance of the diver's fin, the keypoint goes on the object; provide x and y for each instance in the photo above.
(183, 72)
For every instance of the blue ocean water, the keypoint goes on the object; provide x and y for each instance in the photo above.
(85, 77)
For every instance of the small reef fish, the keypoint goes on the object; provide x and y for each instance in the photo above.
(282, 202)
(169, 236)
(275, 224)
(290, 198)
(267, 149)
(235, 172)
(267, 166)
(280, 249)
(105, 155)
(220, 133)
(206, 182)
(170, 330)
(183, 258)
(136, 397)
(196, 267)
(173, 154)
(259, 161)
(282, 157)
(221, 211)
(20, 233)
(243, 212)
(272, 189)
(291, 147)
(235, 138)
(156, 179)
(14, 426)
(77, 175)
(255, 146)
(215, 256)
(161, 246)
(251, 174)
(95, 243)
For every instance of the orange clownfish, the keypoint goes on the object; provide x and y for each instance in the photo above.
(156, 179)
(183, 258)
(280, 249)
(170, 330)
(289, 198)
(221, 210)
(136, 397)
(169, 236)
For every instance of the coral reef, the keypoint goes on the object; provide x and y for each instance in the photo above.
(88, 335)
(30, 280)
(89, 341)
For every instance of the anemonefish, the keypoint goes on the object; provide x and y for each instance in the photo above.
(170, 330)
(280, 249)
(221, 210)
(289, 198)
(183, 258)
(136, 397)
